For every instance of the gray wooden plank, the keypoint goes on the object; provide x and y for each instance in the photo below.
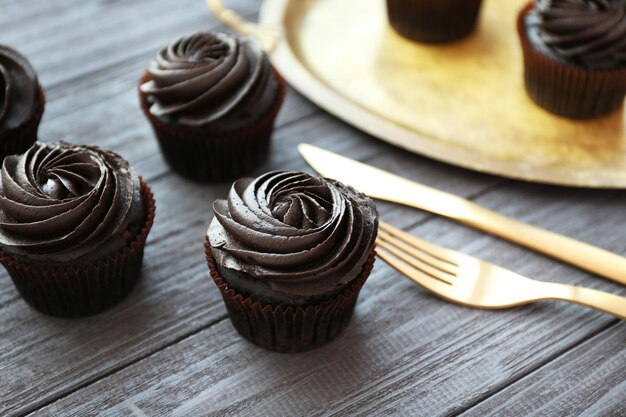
(405, 352)
(589, 380)
(66, 39)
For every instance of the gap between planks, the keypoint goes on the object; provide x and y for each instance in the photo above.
(542, 364)
(117, 369)
(139, 57)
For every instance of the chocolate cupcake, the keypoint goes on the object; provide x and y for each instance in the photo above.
(433, 21)
(289, 253)
(212, 99)
(22, 102)
(575, 55)
(73, 224)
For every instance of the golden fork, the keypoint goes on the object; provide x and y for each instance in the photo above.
(471, 282)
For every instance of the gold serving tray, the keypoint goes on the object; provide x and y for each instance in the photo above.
(462, 103)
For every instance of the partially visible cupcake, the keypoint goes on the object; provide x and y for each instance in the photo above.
(433, 21)
(212, 99)
(22, 102)
(289, 253)
(73, 224)
(575, 55)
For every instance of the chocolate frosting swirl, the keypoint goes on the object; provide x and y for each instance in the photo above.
(18, 89)
(61, 202)
(206, 77)
(303, 235)
(589, 33)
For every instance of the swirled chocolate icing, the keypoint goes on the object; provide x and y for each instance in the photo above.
(296, 234)
(62, 202)
(18, 89)
(587, 33)
(211, 78)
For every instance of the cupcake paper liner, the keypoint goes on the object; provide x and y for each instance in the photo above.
(207, 155)
(566, 90)
(88, 288)
(433, 21)
(18, 140)
(289, 328)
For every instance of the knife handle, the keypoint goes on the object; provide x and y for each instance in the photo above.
(583, 255)
(580, 254)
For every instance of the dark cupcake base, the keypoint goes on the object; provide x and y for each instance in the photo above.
(206, 155)
(567, 90)
(288, 328)
(433, 21)
(84, 289)
(18, 140)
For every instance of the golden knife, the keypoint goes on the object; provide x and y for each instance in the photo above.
(383, 185)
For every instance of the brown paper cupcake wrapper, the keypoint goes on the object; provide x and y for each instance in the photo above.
(17, 141)
(433, 21)
(83, 289)
(289, 328)
(207, 155)
(567, 90)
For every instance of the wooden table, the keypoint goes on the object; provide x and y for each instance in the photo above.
(169, 348)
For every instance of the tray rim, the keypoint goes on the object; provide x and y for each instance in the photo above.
(284, 58)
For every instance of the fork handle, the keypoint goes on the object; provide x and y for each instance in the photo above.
(598, 300)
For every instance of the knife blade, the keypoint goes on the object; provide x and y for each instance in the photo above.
(384, 185)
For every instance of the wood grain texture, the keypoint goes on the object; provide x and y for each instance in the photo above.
(589, 380)
(68, 39)
(169, 348)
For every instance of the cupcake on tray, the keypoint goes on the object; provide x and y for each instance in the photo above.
(575, 55)
(212, 99)
(290, 252)
(22, 102)
(433, 21)
(73, 224)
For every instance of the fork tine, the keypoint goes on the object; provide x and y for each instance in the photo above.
(434, 285)
(426, 247)
(422, 267)
(422, 260)
(437, 256)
